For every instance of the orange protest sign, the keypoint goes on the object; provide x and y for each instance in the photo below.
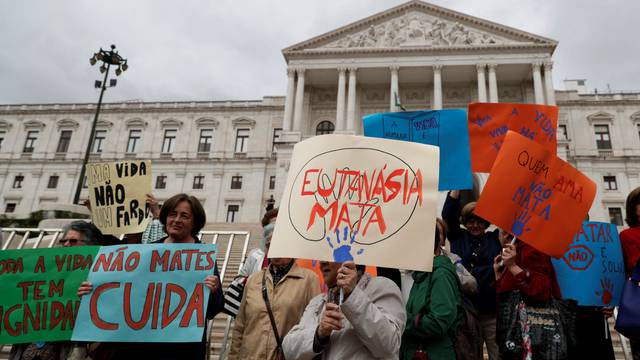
(489, 123)
(536, 196)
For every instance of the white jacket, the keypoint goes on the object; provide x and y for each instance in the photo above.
(374, 321)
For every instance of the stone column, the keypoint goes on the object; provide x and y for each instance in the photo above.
(482, 83)
(437, 87)
(340, 125)
(288, 103)
(394, 89)
(537, 83)
(297, 115)
(351, 100)
(548, 83)
(493, 84)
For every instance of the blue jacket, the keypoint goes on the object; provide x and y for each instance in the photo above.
(477, 254)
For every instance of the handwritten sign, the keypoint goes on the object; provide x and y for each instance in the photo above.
(358, 198)
(489, 123)
(142, 292)
(592, 271)
(117, 193)
(38, 287)
(535, 195)
(446, 129)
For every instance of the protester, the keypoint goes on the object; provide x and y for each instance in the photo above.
(279, 294)
(182, 217)
(367, 325)
(522, 268)
(257, 257)
(477, 247)
(154, 230)
(630, 239)
(434, 309)
(77, 233)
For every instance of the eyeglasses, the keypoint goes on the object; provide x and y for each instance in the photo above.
(70, 241)
(182, 216)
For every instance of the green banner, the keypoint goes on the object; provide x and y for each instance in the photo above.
(38, 287)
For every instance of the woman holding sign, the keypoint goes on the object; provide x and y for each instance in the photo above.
(182, 217)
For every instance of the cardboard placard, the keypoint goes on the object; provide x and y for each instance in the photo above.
(536, 196)
(592, 271)
(358, 198)
(141, 293)
(489, 123)
(117, 193)
(446, 129)
(39, 300)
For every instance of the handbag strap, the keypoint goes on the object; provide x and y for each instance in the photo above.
(268, 305)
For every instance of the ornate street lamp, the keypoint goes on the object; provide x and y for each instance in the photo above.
(107, 58)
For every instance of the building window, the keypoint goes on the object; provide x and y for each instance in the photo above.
(63, 143)
(85, 182)
(639, 130)
(272, 182)
(17, 182)
(206, 139)
(198, 182)
(325, 127)
(134, 138)
(232, 213)
(2, 136)
(169, 141)
(603, 138)
(30, 142)
(98, 141)
(53, 182)
(161, 182)
(242, 139)
(610, 183)
(236, 182)
(10, 207)
(562, 132)
(277, 132)
(615, 216)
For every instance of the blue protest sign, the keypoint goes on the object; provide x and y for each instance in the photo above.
(592, 271)
(446, 129)
(147, 293)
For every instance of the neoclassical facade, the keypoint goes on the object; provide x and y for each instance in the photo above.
(234, 155)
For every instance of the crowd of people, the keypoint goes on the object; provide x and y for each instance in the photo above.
(482, 285)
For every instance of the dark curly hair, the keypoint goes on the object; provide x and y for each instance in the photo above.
(633, 200)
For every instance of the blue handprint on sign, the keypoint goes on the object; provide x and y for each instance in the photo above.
(521, 220)
(342, 249)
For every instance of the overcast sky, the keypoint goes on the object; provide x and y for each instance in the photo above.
(221, 50)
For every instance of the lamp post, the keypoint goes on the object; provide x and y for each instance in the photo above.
(107, 58)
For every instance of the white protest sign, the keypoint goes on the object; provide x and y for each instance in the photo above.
(117, 193)
(356, 198)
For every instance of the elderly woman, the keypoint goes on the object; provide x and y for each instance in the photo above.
(274, 299)
(182, 217)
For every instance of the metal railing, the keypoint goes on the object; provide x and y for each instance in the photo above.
(33, 238)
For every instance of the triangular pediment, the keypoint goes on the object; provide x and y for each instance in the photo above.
(419, 25)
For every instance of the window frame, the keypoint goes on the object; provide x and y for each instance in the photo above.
(325, 131)
(11, 205)
(17, 182)
(234, 213)
(608, 180)
(161, 180)
(136, 140)
(208, 141)
(64, 142)
(168, 148)
(242, 141)
(55, 179)
(277, 134)
(615, 213)
(601, 142)
(236, 182)
(198, 182)
(272, 182)
(31, 139)
(98, 142)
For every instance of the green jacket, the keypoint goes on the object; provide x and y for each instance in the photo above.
(435, 295)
